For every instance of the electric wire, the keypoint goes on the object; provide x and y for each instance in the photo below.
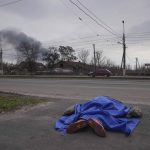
(10, 3)
(80, 18)
(96, 16)
(93, 19)
(83, 41)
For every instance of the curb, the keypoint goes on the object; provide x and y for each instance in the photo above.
(76, 77)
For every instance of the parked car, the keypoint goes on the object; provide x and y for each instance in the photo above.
(100, 72)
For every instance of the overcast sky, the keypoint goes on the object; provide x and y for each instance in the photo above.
(56, 22)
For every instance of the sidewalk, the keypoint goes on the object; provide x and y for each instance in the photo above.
(33, 129)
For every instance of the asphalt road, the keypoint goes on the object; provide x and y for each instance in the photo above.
(33, 128)
(131, 91)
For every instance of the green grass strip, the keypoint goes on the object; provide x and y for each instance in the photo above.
(10, 103)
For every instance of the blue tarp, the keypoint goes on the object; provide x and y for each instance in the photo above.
(112, 113)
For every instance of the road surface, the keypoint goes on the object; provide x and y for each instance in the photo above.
(33, 128)
(130, 91)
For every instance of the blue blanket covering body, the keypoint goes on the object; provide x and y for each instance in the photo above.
(112, 113)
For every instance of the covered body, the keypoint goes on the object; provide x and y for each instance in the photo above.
(112, 113)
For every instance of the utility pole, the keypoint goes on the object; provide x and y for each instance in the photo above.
(1, 61)
(136, 64)
(124, 51)
(94, 58)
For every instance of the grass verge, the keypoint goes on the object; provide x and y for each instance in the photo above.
(10, 102)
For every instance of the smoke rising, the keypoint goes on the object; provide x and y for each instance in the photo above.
(15, 37)
(13, 40)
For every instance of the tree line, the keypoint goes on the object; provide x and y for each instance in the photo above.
(31, 51)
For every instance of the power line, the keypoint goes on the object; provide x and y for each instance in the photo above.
(83, 41)
(88, 37)
(79, 41)
(78, 16)
(138, 37)
(10, 3)
(139, 33)
(86, 44)
(139, 40)
(93, 19)
(134, 36)
(95, 16)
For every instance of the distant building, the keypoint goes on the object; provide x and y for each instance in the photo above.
(71, 67)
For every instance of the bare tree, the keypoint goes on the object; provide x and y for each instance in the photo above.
(83, 55)
(99, 58)
(28, 51)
